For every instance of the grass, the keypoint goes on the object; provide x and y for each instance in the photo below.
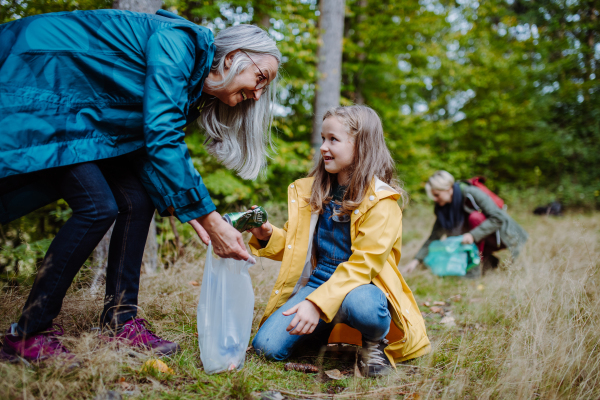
(528, 330)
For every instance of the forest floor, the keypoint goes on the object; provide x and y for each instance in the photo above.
(526, 330)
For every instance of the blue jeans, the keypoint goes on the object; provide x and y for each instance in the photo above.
(99, 193)
(364, 308)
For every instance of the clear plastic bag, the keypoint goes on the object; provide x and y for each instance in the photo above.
(225, 313)
(451, 258)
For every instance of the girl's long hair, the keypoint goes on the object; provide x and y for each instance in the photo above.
(371, 159)
(240, 137)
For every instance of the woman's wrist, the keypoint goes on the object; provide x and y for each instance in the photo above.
(210, 220)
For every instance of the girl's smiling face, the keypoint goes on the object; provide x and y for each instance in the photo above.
(337, 149)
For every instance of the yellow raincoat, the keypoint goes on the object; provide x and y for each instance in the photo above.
(376, 232)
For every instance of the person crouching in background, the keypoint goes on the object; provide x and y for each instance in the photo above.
(463, 209)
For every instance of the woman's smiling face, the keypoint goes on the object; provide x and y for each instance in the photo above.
(243, 86)
(337, 149)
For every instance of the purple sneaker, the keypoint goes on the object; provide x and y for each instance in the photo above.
(35, 348)
(136, 333)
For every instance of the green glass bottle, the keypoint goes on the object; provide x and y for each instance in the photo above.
(243, 221)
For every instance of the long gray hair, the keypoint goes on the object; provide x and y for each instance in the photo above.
(240, 136)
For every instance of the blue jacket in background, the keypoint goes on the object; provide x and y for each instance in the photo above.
(88, 85)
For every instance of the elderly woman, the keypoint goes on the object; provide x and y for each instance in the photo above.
(92, 108)
(463, 209)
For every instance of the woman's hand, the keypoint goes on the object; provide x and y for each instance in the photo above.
(226, 240)
(467, 238)
(410, 267)
(306, 319)
(202, 234)
(263, 232)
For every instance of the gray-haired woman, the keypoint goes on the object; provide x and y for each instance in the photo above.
(463, 209)
(92, 108)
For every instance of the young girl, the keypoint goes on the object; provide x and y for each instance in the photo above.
(339, 250)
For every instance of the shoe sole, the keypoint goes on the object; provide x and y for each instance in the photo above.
(167, 352)
(11, 358)
(383, 372)
(15, 359)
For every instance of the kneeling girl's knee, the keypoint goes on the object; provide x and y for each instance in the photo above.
(264, 346)
(367, 309)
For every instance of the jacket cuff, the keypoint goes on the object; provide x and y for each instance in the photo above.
(195, 210)
(328, 311)
(477, 234)
(422, 253)
(187, 205)
(275, 245)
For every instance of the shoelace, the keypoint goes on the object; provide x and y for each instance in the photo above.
(140, 325)
(372, 355)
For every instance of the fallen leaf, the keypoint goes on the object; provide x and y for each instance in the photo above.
(334, 374)
(413, 396)
(126, 386)
(456, 297)
(157, 365)
(427, 304)
(194, 283)
(448, 320)
(480, 287)
(437, 310)
(439, 303)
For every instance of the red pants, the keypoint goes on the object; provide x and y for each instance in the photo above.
(488, 244)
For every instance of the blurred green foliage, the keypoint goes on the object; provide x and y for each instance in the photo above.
(507, 89)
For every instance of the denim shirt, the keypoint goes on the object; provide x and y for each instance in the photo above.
(332, 242)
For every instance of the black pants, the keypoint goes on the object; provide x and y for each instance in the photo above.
(99, 193)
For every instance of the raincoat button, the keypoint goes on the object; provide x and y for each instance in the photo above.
(355, 211)
(277, 292)
(292, 186)
(387, 294)
(403, 340)
(289, 246)
(371, 198)
(408, 312)
(293, 201)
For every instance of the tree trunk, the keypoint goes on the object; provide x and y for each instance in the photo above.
(150, 261)
(329, 67)
(100, 255)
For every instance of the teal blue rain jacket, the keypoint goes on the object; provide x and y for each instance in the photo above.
(89, 85)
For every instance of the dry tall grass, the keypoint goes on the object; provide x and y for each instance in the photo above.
(536, 331)
(528, 330)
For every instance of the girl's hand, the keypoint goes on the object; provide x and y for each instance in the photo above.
(467, 238)
(306, 319)
(226, 240)
(264, 232)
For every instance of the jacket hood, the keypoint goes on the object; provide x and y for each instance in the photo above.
(203, 60)
(378, 190)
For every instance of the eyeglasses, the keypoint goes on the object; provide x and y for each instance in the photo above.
(263, 79)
